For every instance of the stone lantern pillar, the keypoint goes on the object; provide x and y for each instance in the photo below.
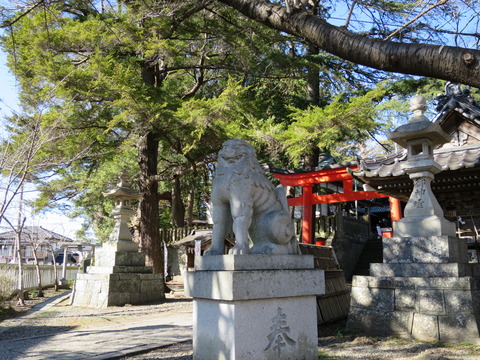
(423, 215)
(120, 238)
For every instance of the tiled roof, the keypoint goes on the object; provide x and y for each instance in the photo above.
(36, 233)
(456, 99)
(448, 158)
(384, 166)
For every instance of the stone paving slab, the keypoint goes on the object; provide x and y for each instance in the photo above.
(102, 341)
(105, 342)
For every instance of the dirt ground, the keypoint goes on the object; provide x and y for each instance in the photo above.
(344, 348)
(349, 348)
(11, 308)
(334, 342)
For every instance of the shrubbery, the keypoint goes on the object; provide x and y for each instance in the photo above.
(7, 283)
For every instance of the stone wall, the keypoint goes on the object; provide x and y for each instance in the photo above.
(429, 309)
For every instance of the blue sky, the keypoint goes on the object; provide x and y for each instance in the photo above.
(8, 93)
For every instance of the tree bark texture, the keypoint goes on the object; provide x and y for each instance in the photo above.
(38, 272)
(178, 209)
(148, 227)
(450, 63)
(21, 298)
(191, 202)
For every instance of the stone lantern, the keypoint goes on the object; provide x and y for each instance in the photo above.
(119, 275)
(425, 288)
(120, 237)
(423, 215)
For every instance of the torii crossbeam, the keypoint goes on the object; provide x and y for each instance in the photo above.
(309, 178)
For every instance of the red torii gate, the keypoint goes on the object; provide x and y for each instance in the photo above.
(308, 179)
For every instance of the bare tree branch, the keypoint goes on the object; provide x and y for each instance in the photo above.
(450, 63)
(440, 3)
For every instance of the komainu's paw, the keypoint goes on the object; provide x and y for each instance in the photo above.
(266, 248)
(213, 251)
(239, 250)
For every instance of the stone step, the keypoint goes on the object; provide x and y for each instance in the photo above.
(425, 269)
(120, 269)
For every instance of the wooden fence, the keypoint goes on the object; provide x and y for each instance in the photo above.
(9, 276)
(169, 236)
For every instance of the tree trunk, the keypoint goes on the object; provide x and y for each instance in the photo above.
(148, 225)
(313, 97)
(178, 209)
(443, 62)
(55, 271)
(313, 79)
(39, 274)
(21, 298)
(191, 203)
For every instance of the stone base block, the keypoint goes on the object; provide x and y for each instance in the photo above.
(255, 314)
(442, 308)
(253, 262)
(260, 284)
(105, 257)
(99, 290)
(421, 226)
(425, 270)
(120, 269)
(121, 245)
(282, 328)
(432, 249)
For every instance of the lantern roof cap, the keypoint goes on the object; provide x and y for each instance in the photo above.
(123, 189)
(419, 127)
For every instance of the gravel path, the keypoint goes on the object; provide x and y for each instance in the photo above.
(360, 348)
(60, 317)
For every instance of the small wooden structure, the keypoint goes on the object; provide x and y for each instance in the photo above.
(197, 242)
(335, 303)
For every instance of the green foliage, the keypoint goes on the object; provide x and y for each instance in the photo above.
(335, 128)
(96, 81)
(101, 81)
(213, 120)
(7, 283)
(325, 356)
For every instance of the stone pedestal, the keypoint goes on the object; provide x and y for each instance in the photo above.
(443, 309)
(424, 226)
(255, 307)
(425, 290)
(424, 250)
(118, 278)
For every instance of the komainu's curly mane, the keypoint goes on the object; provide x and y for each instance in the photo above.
(244, 198)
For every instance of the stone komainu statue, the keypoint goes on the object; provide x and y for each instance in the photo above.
(246, 201)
